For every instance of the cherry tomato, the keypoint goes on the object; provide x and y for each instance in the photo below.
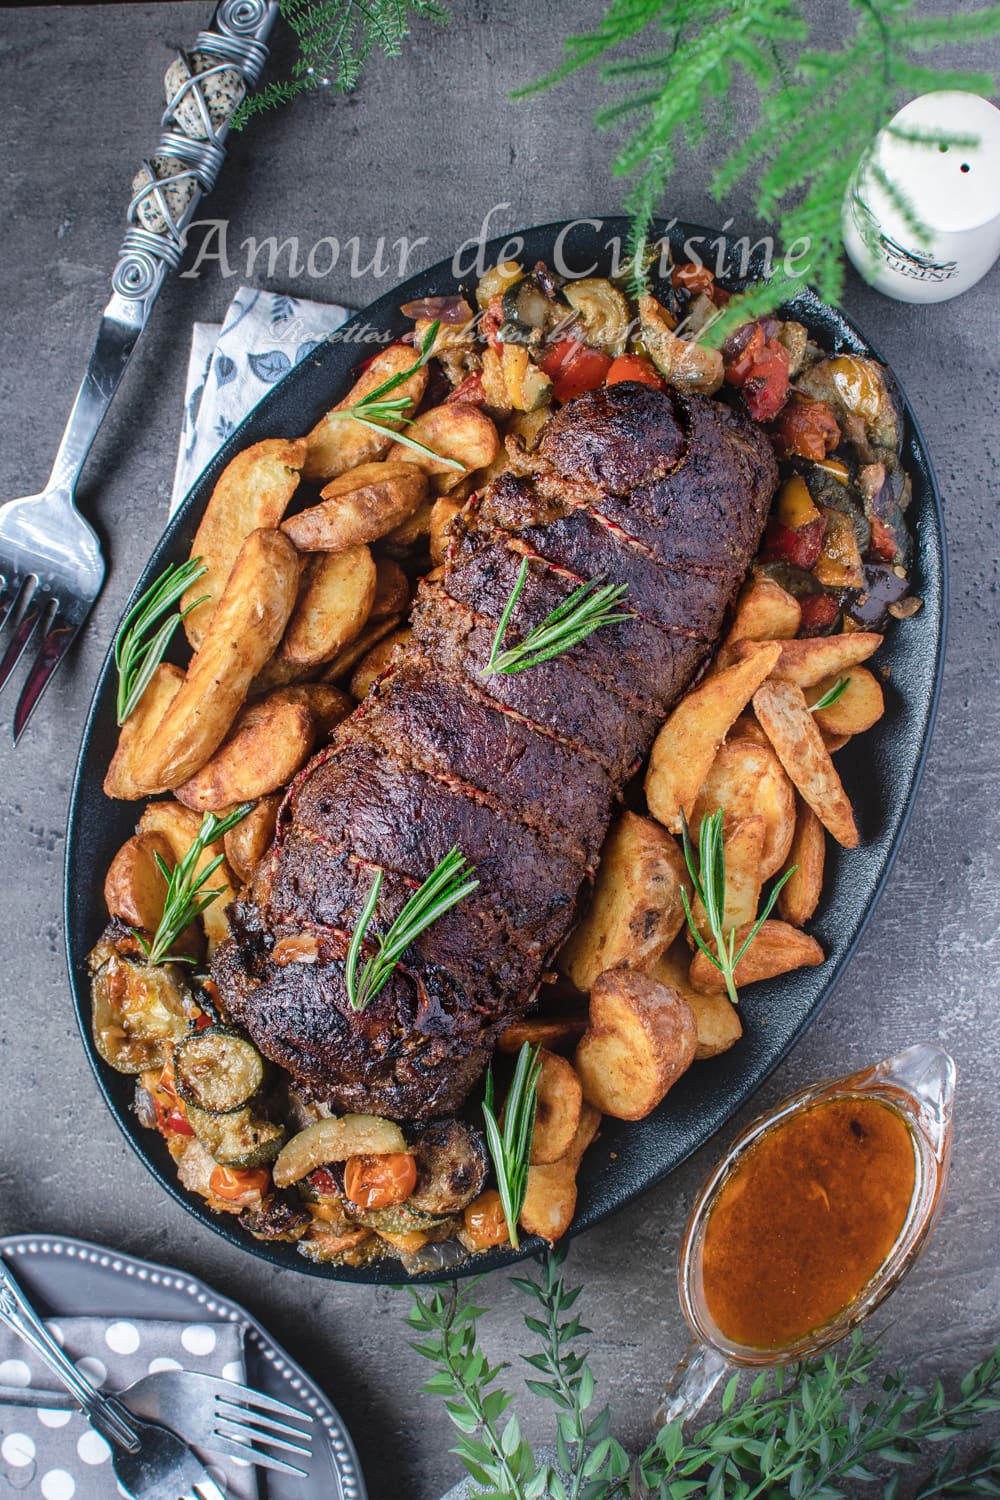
(242, 1185)
(380, 1181)
(800, 546)
(807, 428)
(693, 279)
(759, 367)
(818, 611)
(322, 1181)
(573, 368)
(635, 367)
(484, 1221)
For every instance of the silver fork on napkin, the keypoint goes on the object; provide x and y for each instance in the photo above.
(51, 567)
(150, 1461)
(215, 1415)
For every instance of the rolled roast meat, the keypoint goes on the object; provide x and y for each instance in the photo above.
(665, 493)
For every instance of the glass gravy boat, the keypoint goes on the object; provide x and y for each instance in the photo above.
(919, 1084)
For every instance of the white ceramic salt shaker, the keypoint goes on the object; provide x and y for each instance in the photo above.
(954, 191)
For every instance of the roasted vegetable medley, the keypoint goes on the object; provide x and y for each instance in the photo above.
(294, 614)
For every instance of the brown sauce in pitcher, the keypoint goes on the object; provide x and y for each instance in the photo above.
(806, 1219)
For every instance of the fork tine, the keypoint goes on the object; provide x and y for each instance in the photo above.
(249, 1400)
(8, 596)
(244, 1432)
(25, 614)
(238, 1449)
(60, 634)
(240, 1413)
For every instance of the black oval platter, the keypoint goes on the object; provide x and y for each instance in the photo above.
(881, 770)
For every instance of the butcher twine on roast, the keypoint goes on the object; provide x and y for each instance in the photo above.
(665, 493)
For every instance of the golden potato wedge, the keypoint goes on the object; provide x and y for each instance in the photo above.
(328, 705)
(249, 841)
(345, 661)
(443, 512)
(135, 887)
(743, 847)
(559, 1101)
(550, 1200)
(747, 728)
(636, 909)
(809, 661)
(747, 780)
(392, 590)
(339, 443)
(253, 492)
(359, 507)
(270, 740)
(781, 708)
(180, 826)
(859, 706)
(764, 612)
(718, 1021)
(335, 595)
(456, 431)
(641, 1037)
(799, 896)
(247, 625)
(135, 732)
(371, 666)
(544, 1031)
(777, 949)
(686, 746)
(835, 742)
(417, 526)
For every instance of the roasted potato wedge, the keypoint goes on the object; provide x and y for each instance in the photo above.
(135, 887)
(812, 660)
(550, 1200)
(777, 949)
(443, 512)
(249, 841)
(543, 1031)
(253, 492)
(345, 661)
(247, 625)
(859, 706)
(359, 507)
(403, 537)
(636, 910)
(328, 705)
(764, 612)
(371, 666)
(799, 896)
(134, 734)
(559, 1101)
(457, 432)
(743, 846)
(718, 1021)
(392, 590)
(339, 443)
(781, 708)
(180, 826)
(747, 780)
(642, 1036)
(686, 746)
(336, 593)
(270, 740)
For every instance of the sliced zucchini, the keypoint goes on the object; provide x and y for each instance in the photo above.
(400, 1219)
(528, 312)
(138, 1010)
(217, 1070)
(237, 1139)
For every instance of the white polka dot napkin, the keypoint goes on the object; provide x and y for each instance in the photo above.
(56, 1455)
(235, 363)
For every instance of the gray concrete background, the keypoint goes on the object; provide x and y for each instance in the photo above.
(425, 148)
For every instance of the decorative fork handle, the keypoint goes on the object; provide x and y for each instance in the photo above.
(203, 89)
(103, 1412)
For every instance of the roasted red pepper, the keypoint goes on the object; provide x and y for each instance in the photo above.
(759, 367)
(807, 428)
(818, 611)
(470, 391)
(574, 368)
(635, 367)
(695, 279)
(801, 547)
(883, 545)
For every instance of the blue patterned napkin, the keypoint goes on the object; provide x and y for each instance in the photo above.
(234, 364)
(57, 1455)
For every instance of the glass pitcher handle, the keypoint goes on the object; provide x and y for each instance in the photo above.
(695, 1378)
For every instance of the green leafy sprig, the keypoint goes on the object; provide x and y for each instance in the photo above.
(708, 878)
(444, 888)
(510, 1143)
(335, 39)
(148, 629)
(587, 609)
(826, 1429)
(375, 411)
(832, 695)
(187, 896)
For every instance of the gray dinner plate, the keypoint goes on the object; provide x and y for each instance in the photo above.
(70, 1278)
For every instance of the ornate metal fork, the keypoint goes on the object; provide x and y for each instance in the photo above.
(51, 567)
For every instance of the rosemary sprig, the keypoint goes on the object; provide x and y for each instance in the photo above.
(708, 877)
(510, 1145)
(588, 608)
(187, 897)
(444, 888)
(375, 411)
(832, 695)
(145, 635)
